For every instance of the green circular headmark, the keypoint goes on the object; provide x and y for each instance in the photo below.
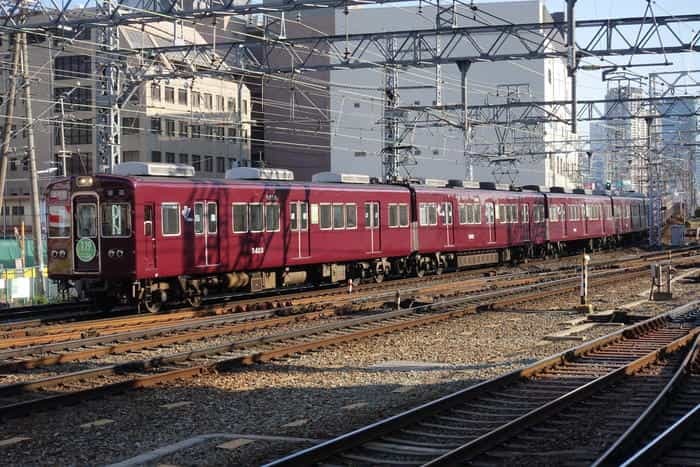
(85, 250)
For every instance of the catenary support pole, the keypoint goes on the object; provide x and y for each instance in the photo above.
(463, 69)
(9, 118)
(33, 174)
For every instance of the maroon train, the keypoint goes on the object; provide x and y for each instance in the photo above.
(144, 237)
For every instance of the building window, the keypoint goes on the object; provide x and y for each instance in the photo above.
(209, 131)
(184, 158)
(74, 99)
(197, 162)
(244, 107)
(170, 157)
(13, 164)
(130, 125)
(155, 156)
(356, 105)
(220, 103)
(196, 130)
(207, 101)
(79, 132)
(130, 156)
(170, 127)
(220, 164)
(155, 92)
(196, 99)
(155, 126)
(72, 66)
(169, 95)
(231, 105)
(208, 163)
(360, 153)
(76, 164)
(182, 129)
(231, 163)
(182, 96)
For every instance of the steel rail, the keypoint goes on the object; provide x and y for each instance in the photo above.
(417, 316)
(626, 444)
(382, 428)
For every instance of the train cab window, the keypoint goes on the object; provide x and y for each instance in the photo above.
(403, 215)
(240, 218)
(255, 218)
(87, 220)
(198, 218)
(350, 216)
(326, 216)
(116, 220)
(170, 214)
(212, 218)
(59, 221)
(272, 217)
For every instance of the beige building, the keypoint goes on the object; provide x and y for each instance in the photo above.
(202, 121)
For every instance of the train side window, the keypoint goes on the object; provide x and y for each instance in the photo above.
(239, 213)
(148, 221)
(198, 218)
(393, 216)
(170, 213)
(293, 221)
(476, 208)
(255, 217)
(212, 218)
(403, 215)
(326, 216)
(351, 216)
(463, 213)
(304, 216)
(116, 219)
(338, 216)
(375, 218)
(272, 217)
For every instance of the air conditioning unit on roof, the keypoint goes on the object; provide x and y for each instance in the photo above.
(334, 177)
(154, 169)
(256, 173)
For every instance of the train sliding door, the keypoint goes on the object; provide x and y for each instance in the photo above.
(86, 242)
(490, 215)
(299, 225)
(206, 233)
(372, 224)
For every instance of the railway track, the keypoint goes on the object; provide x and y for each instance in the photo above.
(28, 396)
(523, 416)
(14, 321)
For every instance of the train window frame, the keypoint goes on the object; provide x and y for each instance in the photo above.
(403, 213)
(163, 207)
(77, 212)
(341, 210)
(127, 219)
(198, 218)
(250, 217)
(447, 214)
(267, 223)
(216, 217)
(393, 208)
(427, 212)
(462, 214)
(351, 208)
(328, 207)
(233, 217)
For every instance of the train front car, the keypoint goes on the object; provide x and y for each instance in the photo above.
(90, 237)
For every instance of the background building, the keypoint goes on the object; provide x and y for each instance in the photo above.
(335, 124)
(201, 121)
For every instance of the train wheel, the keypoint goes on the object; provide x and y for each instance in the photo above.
(150, 303)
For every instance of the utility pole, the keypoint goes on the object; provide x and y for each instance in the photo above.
(9, 117)
(391, 120)
(572, 60)
(33, 175)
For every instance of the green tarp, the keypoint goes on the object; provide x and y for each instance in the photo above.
(9, 251)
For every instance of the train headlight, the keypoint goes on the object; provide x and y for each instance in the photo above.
(84, 181)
